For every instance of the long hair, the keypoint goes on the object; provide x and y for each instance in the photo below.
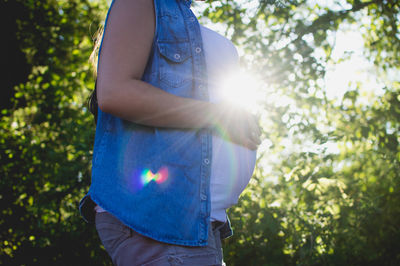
(93, 59)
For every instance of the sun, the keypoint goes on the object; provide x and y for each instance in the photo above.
(241, 88)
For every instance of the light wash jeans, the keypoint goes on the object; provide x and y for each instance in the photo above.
(126, 247)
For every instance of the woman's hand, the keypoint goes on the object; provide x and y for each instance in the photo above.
(238, 125)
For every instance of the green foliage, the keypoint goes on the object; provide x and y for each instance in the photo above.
(46, 141)
(315, 206)
(306, 204)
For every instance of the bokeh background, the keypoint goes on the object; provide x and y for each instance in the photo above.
(326, 190)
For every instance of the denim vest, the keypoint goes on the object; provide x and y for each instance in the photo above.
(157, 180)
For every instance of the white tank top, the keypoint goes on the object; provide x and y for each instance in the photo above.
(232, 164)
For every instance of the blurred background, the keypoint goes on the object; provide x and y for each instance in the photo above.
(326, 190)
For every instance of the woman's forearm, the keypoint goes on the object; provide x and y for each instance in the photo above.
(140, 102)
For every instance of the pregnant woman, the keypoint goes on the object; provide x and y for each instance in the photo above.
(169, 156)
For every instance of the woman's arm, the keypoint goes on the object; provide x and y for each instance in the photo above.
(126, 47)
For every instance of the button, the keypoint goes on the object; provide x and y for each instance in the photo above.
(206, 161)
(203, 197)
(198, 50)
(192, 19)
(177, 56)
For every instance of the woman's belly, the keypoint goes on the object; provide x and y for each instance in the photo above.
(231, 170)
(232, 164)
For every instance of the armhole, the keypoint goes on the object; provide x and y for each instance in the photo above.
(104, 32)
(156, 21)
(105, 26)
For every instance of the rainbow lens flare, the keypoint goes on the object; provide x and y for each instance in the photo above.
(147, 176)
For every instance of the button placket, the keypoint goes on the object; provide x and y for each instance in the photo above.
(205, 138)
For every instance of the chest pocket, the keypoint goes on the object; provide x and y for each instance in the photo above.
(175, 69)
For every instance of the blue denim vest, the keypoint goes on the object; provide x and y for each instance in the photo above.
(157, 180)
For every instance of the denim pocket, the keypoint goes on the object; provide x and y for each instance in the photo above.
(175, 67)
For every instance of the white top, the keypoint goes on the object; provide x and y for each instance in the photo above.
(232, 164)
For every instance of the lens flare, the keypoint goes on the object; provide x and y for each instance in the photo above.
(147, 176)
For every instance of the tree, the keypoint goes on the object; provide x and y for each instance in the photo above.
(46, 135)
(322, 207)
